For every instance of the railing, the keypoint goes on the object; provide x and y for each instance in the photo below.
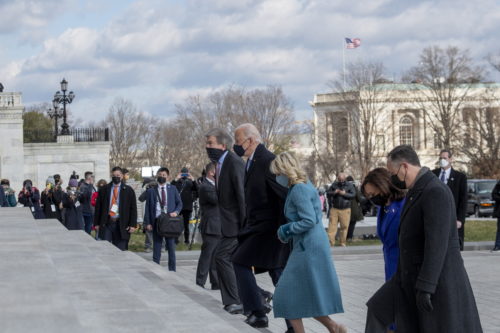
(10, 99)
(79, 135)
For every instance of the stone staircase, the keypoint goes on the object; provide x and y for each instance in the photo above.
(55, 280)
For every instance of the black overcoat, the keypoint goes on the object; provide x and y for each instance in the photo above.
(259, 245)
(209, 206)
(127, 208)
(430, 261)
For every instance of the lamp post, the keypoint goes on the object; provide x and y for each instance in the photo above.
(62, 98)
(55, 114)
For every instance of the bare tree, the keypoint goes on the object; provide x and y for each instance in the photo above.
(362, 101)
(126, 125)
(446, 77)
(481, 144)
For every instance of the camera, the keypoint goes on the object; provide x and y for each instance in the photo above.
(184, 175)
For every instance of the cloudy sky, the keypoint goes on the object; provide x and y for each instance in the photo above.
(156, 53)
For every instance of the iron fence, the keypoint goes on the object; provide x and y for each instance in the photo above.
(79, 135)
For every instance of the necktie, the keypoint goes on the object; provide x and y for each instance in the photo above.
(217, 174)
(443, 176)
(249, 162)
(113, 200)
(163, 197)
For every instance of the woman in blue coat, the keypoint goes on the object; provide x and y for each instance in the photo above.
(308, 286)
(377, 186)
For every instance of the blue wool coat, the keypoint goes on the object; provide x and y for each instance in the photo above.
(309, 285)
(387, 231)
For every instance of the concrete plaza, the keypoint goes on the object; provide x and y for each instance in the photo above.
(55, 280)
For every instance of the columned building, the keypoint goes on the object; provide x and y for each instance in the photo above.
(391, 115)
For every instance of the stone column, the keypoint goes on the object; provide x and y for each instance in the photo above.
(11, 136)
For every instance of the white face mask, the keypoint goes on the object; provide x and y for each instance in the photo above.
(444, 163)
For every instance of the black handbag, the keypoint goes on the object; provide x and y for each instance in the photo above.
(166, 225)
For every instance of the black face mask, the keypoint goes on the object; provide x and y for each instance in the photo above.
(239, 150)
(401, 184)
(161, 180)
(214, 154)
(379, 200)
(116, 180)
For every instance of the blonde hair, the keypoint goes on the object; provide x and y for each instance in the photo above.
(287, 164)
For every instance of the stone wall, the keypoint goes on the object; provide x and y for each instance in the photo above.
(45, 159)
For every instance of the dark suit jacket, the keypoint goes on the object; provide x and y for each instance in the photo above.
(174, 203)
(458, 186)
(3, 198)
(209, 204)
(430, 260)
(87, 190)
(127, 208)
(231, 195)
(265, 198)
(188, 191)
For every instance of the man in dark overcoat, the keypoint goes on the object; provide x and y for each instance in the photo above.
(430, 291)
(259, 246)
(457, 182)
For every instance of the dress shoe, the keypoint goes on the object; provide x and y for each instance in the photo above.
(267, 307)
(257, 322)
(290, 330)
(234, 308)
(268, 296)
(496, 249)
(215, 287)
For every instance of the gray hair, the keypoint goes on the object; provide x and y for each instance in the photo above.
(221, 135)
(250, 131)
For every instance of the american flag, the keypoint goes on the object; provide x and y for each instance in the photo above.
(352, 43)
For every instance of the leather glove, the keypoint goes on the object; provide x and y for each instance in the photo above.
(424, 303)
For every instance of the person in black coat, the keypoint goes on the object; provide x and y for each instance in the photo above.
(58, 195)
(73, 218)
(259, 246)
(188, 190)
(3, 198)
(29, 196)
(495, 195)
(47, 200)
(229, 177)
(116, 214)
(209, 229)
(430, 291)
(457, 182)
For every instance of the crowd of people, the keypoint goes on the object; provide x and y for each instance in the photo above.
(261, 214)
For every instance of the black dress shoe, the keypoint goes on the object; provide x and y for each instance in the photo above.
(268, 296)
(496, 249)
(234, 308)
(215, 287)
(267, 307)
(257, 322)
(290, 330)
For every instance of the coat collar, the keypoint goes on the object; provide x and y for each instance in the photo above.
(415, 192)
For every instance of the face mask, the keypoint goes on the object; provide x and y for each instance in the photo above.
(162, 180)
(214, 154)
(282, 180)
(401, 184)
(378, 200)
(239, 150)
(116, 180)
(444, 163)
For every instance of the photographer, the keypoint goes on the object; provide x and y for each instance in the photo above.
(340, 195)
(87, 188)
(187, 188)
(57, 196)
(49, 207)
(73, 217)
(29, 196)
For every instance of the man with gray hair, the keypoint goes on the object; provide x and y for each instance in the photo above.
(229, 175)
(259, 246)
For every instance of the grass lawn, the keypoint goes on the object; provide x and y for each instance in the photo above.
(475, 231)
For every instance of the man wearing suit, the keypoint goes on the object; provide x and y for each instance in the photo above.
(188, 190)
(209, 229)
(116, 210)
(171, 202)
(457, 182)
(259, 246)
(229, 175)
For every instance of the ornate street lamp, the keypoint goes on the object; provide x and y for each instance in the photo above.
(55, 114)
(62, 98)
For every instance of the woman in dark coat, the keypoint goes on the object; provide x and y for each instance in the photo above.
(29, 196)
(73, 217)
(48, 203)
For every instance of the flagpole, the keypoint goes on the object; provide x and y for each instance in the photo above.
(343, 61)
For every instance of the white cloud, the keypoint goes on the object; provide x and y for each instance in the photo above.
(157, 53)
